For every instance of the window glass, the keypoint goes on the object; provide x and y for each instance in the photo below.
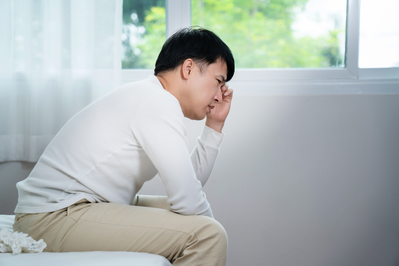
(277, 33)
(143, 32)
(379, 34)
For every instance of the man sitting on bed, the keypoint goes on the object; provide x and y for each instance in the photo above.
(81, 195)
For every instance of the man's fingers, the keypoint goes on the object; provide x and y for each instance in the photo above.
(228, 92)
(224, 88)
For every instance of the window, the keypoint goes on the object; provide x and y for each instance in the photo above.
(277, 34)
(143, 32)
(294, 49)
(379, 34)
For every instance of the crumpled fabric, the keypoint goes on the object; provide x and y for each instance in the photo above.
(17, 242)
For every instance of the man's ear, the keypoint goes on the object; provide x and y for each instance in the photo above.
(187, 68)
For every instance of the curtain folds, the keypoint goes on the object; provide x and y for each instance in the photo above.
(56, 56)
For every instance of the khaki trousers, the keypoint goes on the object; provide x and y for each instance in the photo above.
(85, 226)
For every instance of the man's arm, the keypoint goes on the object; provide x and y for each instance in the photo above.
(204, 155)
(159, 128)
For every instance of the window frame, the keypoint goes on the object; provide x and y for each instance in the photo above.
(178, 15)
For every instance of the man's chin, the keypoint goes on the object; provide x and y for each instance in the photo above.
(198, 117)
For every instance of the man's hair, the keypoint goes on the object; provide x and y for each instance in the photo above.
(201, 45)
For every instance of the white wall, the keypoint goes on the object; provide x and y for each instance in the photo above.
(300, 180)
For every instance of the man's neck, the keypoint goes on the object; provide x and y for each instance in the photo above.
(171, 83)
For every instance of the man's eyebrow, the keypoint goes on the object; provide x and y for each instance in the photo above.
(222, 78)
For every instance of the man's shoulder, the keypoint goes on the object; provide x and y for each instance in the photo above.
(148, 85)
(151, 89)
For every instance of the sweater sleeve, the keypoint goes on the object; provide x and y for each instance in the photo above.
(158, 127)
(204, 154)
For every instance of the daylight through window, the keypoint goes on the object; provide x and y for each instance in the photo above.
(143, 32)
(278, 34)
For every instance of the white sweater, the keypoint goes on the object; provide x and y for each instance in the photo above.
(108, 150)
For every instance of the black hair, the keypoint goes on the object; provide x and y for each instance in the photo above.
(199, 44)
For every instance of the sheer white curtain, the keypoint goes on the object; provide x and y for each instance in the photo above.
(56, 56)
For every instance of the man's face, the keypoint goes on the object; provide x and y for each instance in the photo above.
(204, 89)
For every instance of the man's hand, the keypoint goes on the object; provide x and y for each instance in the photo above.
(218, 115)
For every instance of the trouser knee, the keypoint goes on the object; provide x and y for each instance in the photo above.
(215, 234)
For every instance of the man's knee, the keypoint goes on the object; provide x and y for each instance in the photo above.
(215, 232)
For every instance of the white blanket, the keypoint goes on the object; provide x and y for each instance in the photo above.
(17, 242)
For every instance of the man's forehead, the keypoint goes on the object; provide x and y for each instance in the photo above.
(217, 69)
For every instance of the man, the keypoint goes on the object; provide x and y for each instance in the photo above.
(78, 196)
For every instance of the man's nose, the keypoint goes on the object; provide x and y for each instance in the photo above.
(218, 95)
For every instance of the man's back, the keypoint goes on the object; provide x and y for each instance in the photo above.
(98, 154)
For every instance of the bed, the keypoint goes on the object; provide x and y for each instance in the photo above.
(97, 258)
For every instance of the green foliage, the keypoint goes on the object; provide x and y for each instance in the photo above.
(260, 36)
(143, 32)
(257, 31)
(154, 36)
(331, 49)
(138, 7)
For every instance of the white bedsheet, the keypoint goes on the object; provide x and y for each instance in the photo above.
(97, 258)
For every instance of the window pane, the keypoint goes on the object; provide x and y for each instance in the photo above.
(143, 32)
(379, 34)
(277, 33)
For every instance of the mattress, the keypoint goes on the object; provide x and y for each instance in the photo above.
(97, 258)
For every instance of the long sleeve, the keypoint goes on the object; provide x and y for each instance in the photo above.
(158, 127)
(204, 154)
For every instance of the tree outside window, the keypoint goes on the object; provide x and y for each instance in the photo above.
(260, 33)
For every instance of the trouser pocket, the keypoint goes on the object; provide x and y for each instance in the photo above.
(19, 219)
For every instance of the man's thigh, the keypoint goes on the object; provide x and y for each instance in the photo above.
(118, 227)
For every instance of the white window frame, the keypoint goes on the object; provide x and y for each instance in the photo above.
(350, 79)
